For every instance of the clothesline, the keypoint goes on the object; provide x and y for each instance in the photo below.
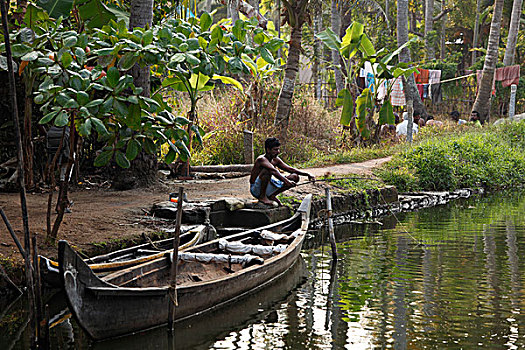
(456, 78)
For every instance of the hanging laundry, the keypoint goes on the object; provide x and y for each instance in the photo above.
(420, 90)
(381, 90)
(434, 76)
(397, 97)
(421, 76)
(435, 92)
(508, 75)
(426, 90)
(370, 81)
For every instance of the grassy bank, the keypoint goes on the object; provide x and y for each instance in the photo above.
(490, 157)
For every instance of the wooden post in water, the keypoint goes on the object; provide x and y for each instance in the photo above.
(248, 147)
(20, 169)
(38, 291)
(330, 223)
(173, 273)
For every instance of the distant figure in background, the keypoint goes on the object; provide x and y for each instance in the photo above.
(432, 122)
(388, 133)
(401, 128)
(455, 117)
(418, 120)
(53, 137)
(266, 182)
(475, 118)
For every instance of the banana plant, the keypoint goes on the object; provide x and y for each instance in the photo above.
(367, 107)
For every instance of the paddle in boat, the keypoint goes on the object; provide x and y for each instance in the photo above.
(209, 276)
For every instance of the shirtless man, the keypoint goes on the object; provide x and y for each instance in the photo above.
(266, 182)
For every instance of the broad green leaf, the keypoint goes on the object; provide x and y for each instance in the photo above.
(147, 38)
(366, 46)
(85, 128)
(205, 21)
(267, 55)
(96, 14)
(133, 116)
(184, 152)
(99, 126)
(132, 149)
(103, 158)
(70, 41)
(94, 103)
(121, 160)
(362, 105)
(199, 79)
(62, 119)
(56, 8)
(178, 57)
(170, 157)
(82, 98)
(30, 56)
(389, 57)
(330, 39)
(47, 118)
(386, 114)
(196, 133)
(113, 77)
(120, 108)
(127, 61)
(345, 99)
(66, 59)
(71, 104)
(228, 80)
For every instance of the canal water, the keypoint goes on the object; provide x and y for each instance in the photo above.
(449, 277)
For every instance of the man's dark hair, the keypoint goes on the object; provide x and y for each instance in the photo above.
(476, 113)
(416, 113)
(454, 115)
(271, 142)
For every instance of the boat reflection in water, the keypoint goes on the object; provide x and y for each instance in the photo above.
(203, 331)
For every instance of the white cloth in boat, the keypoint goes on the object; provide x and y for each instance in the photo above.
(272, 236)
(260, 250)
(244, 260)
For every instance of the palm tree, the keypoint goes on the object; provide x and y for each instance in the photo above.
(475, 38)
(404, 56)
(296, 16)
(141, 15)
(336, 27)
(429, 24)
(482, 103)
(512, 39)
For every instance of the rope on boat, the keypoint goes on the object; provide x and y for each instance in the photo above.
(339, 178)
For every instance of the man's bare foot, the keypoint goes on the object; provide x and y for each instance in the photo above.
(276, 200)
(266, 201)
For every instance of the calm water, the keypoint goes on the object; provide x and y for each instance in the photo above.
(448, 277)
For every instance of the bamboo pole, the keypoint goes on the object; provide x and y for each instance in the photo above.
(330, 223)
(173, 282)
(12, 233)
(20, 166)
(38, 290)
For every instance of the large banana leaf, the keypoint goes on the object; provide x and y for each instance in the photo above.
(56, 8)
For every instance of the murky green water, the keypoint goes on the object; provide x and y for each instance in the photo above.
(450, 277)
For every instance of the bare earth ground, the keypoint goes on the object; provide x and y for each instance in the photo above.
(103, 214)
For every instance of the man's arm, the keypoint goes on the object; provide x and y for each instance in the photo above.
(266, 164)
(282, 165)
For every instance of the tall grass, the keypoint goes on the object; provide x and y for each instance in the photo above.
(492, 157)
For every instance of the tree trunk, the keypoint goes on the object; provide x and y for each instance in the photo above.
(233, 10)
(429, 24)
(318, 51)
(443, 31)
(512, 39)
(336, 27)
(482, 103)
(404, 56)
(141, 15)
(27, 142)
(284, 103)
(143, 168)
(475, 36)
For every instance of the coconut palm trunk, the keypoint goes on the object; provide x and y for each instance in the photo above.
(475, 37)
(141, 15)
(296, 16)
(410, 87)
(429, 24)
(482, 103)
(336, 27)
(318, 51)
(512, 39)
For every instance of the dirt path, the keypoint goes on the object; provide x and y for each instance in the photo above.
(102, 215)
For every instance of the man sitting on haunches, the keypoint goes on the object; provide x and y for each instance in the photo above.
(266, 182)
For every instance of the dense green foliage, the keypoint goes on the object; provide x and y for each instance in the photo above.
(492, 158)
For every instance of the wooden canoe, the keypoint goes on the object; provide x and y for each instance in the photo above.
(131, 256)
(138, 297)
